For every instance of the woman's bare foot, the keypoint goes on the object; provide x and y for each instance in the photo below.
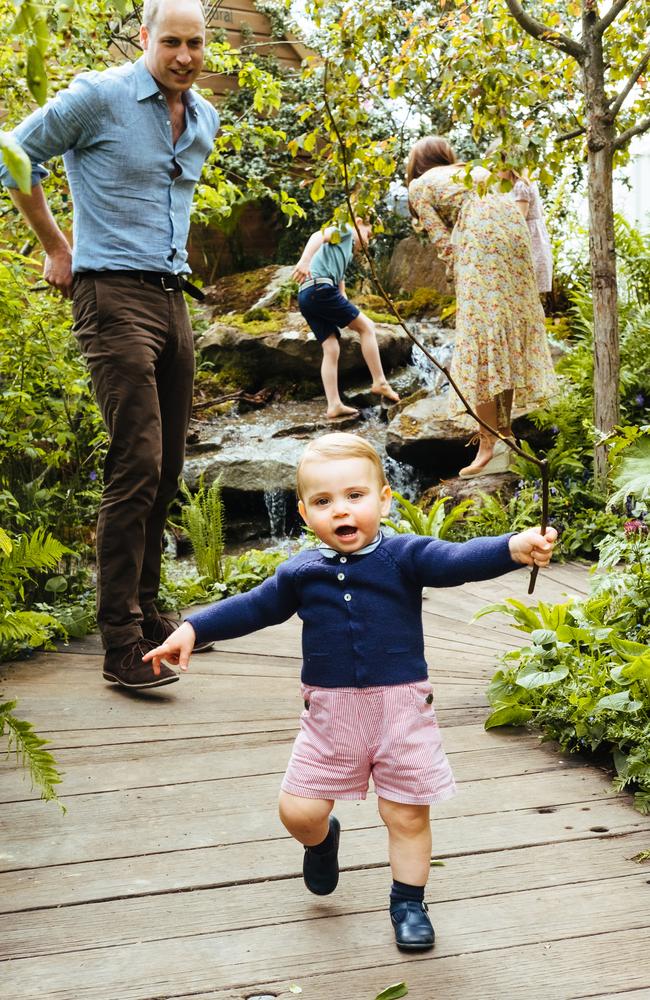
(342, 411)
(384, 389)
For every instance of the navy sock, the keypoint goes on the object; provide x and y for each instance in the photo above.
(401, 892)
(325, 845)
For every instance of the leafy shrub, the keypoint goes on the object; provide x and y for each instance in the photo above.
(434, 522)
(584, 679)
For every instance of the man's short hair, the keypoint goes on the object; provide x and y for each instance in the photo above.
(151, 9)
(336, 446)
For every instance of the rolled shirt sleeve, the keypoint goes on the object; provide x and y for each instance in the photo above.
(67, 121)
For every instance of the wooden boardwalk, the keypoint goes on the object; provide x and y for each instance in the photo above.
(171, 875)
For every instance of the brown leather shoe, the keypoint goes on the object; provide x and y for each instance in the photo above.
(123, 665)
(158, 629)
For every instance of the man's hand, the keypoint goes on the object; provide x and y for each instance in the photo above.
(531, 548)
(58, 271)
(301, 272)
(176, 649)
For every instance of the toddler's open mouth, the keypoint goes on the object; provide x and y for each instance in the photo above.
(346, 531)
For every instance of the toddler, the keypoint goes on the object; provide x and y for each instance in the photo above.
(321, 298)
(367, 699)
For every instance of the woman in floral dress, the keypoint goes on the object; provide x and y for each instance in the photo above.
(501, 354)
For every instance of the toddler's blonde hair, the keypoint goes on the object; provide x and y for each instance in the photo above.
(339, 445)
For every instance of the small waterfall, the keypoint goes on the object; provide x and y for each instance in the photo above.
(276, 506)
(431, 376)
(402, 477)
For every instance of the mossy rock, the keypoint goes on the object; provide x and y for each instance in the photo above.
(238, 292)
(256, 322)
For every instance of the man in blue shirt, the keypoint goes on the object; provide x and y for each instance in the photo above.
(134, 139)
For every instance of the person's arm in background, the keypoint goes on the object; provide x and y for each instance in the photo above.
(314, 243)
(57, 270)
(521, 193)
(67, 121)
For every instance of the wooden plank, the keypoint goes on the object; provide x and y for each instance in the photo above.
(330, 937)
(479, 844)
(563, 970)
(217, 909)
(132, 766)
(147, 820)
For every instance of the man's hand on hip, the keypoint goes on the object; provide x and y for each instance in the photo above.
(58, 271)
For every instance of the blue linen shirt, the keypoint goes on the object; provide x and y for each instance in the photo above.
(361, 612)
(114, 131)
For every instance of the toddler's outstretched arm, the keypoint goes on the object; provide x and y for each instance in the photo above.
(531, 548)
(175, 650)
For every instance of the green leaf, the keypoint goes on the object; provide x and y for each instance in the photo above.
(531, 677)
(36, 74)
(437, 864)
(629, 650)
(317, 192)
(17, 162)
(508, 715)
(294, 988)
(638, 669)
(393, 992)
(619, 702)
(543, 637)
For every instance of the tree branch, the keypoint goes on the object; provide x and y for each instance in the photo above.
(571, 135)
(638, 129)
(632, 79)
(611, 15)
(549, 35)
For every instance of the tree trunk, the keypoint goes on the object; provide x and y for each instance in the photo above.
(600, 138)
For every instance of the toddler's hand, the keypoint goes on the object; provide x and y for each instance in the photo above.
(301, 272)
(531, 548)
(175, 650)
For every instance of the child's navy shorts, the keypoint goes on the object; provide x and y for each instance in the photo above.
(326, 310)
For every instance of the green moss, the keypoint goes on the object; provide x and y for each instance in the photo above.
(380, 317)
(257, 325)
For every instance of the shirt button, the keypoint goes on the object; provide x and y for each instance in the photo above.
(168, 122)
(160, 97)
(344, 559)
(347, 597)
(340, 576)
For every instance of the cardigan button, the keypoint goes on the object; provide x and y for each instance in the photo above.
(347, 597)
(340, 576)
(343, 559)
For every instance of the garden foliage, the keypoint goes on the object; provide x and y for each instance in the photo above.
(584, 676)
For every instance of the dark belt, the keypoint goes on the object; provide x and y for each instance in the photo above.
(165, 280)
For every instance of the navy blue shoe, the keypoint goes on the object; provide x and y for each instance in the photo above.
(321, 871)
(413, 930)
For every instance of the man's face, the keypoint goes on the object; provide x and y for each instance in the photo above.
(173, 46)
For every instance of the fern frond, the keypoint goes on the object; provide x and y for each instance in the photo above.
(30, 752)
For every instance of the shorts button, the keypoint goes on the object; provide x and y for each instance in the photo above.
(347, 597)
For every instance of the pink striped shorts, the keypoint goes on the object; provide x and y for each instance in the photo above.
(348, 734)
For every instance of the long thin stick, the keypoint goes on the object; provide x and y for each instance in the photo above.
(539, 462)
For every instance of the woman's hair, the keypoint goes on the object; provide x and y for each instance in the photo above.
(432, 151)
(337, 446)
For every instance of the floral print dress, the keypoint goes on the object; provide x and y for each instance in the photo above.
(500, 331)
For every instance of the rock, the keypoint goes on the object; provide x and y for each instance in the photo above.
(414, 264)
(424, 436)
(274, 289)
(294, 352)
(460, 489)
(241, 292)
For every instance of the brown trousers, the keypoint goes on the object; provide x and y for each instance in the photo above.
(137, 342)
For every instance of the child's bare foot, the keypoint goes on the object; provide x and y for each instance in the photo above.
(342, 411)
(384, 389)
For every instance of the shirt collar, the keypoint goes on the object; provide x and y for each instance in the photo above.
(146, 86)
(329, 553)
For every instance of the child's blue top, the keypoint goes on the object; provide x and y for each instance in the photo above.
(362, 612)
(331, 259)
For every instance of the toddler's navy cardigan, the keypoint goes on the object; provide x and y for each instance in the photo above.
(361, 614)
